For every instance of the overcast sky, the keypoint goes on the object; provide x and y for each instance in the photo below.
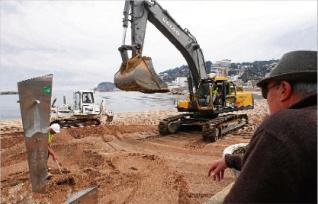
(78, 41)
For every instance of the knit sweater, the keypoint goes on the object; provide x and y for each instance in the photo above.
(280, 165)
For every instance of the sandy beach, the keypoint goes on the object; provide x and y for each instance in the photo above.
(127, 160)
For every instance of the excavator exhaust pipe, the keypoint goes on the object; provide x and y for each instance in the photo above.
(138, 74)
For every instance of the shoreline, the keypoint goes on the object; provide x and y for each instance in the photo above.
(257, 96)
(9, 93)
(133, 118)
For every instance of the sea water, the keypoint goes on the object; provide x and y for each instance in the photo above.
(116, 101)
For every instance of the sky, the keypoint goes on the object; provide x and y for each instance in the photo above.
(78, 40)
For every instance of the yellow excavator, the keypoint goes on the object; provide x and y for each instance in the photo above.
(211, 98)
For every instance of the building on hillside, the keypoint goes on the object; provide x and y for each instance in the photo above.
(223, 63)
(181, 81)
(221, 68)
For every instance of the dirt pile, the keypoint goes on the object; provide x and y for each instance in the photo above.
(127, 160)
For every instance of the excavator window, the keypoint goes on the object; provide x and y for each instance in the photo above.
(231, 88)
(230, 98)
(219, 97)
(203, 94)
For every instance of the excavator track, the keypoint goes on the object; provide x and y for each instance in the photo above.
(171, 124)
(219, 127)
(212, 128)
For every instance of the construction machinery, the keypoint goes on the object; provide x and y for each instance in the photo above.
(210, 97)
(84, 111)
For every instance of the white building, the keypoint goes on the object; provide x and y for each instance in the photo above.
(181, 81)
(221, 68)
(223, 63)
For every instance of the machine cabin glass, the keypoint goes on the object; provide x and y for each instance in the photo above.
(87, 97)
(231, 89)
(230, 99)
(204, 94)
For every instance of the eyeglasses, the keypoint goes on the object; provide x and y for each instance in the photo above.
(266, 89)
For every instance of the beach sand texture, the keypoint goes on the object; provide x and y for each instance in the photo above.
(127, 160)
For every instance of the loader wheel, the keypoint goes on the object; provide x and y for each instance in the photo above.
(109, 118)
(97, 122)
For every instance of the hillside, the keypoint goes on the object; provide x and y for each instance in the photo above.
(182, 71)
(252, 70)
(105, 86)
(246, 70)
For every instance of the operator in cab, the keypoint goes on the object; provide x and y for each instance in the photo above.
(280, 164)
(87, 99)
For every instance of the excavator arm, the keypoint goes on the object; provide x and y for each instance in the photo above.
(137, 72)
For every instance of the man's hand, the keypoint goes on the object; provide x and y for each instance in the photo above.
(217, 169)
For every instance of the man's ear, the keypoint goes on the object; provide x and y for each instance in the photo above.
(285, 91)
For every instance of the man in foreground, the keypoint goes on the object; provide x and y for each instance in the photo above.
(280, 165)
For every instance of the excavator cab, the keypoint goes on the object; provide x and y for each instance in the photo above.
(216, 94)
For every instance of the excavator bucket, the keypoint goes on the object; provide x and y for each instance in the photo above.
(138, 74)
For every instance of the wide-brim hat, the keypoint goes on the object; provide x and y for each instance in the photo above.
(294, 66)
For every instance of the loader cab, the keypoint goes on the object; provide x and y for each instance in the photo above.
(83, 102)
(88, 97)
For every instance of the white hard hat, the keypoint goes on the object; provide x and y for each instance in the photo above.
(55, 127)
